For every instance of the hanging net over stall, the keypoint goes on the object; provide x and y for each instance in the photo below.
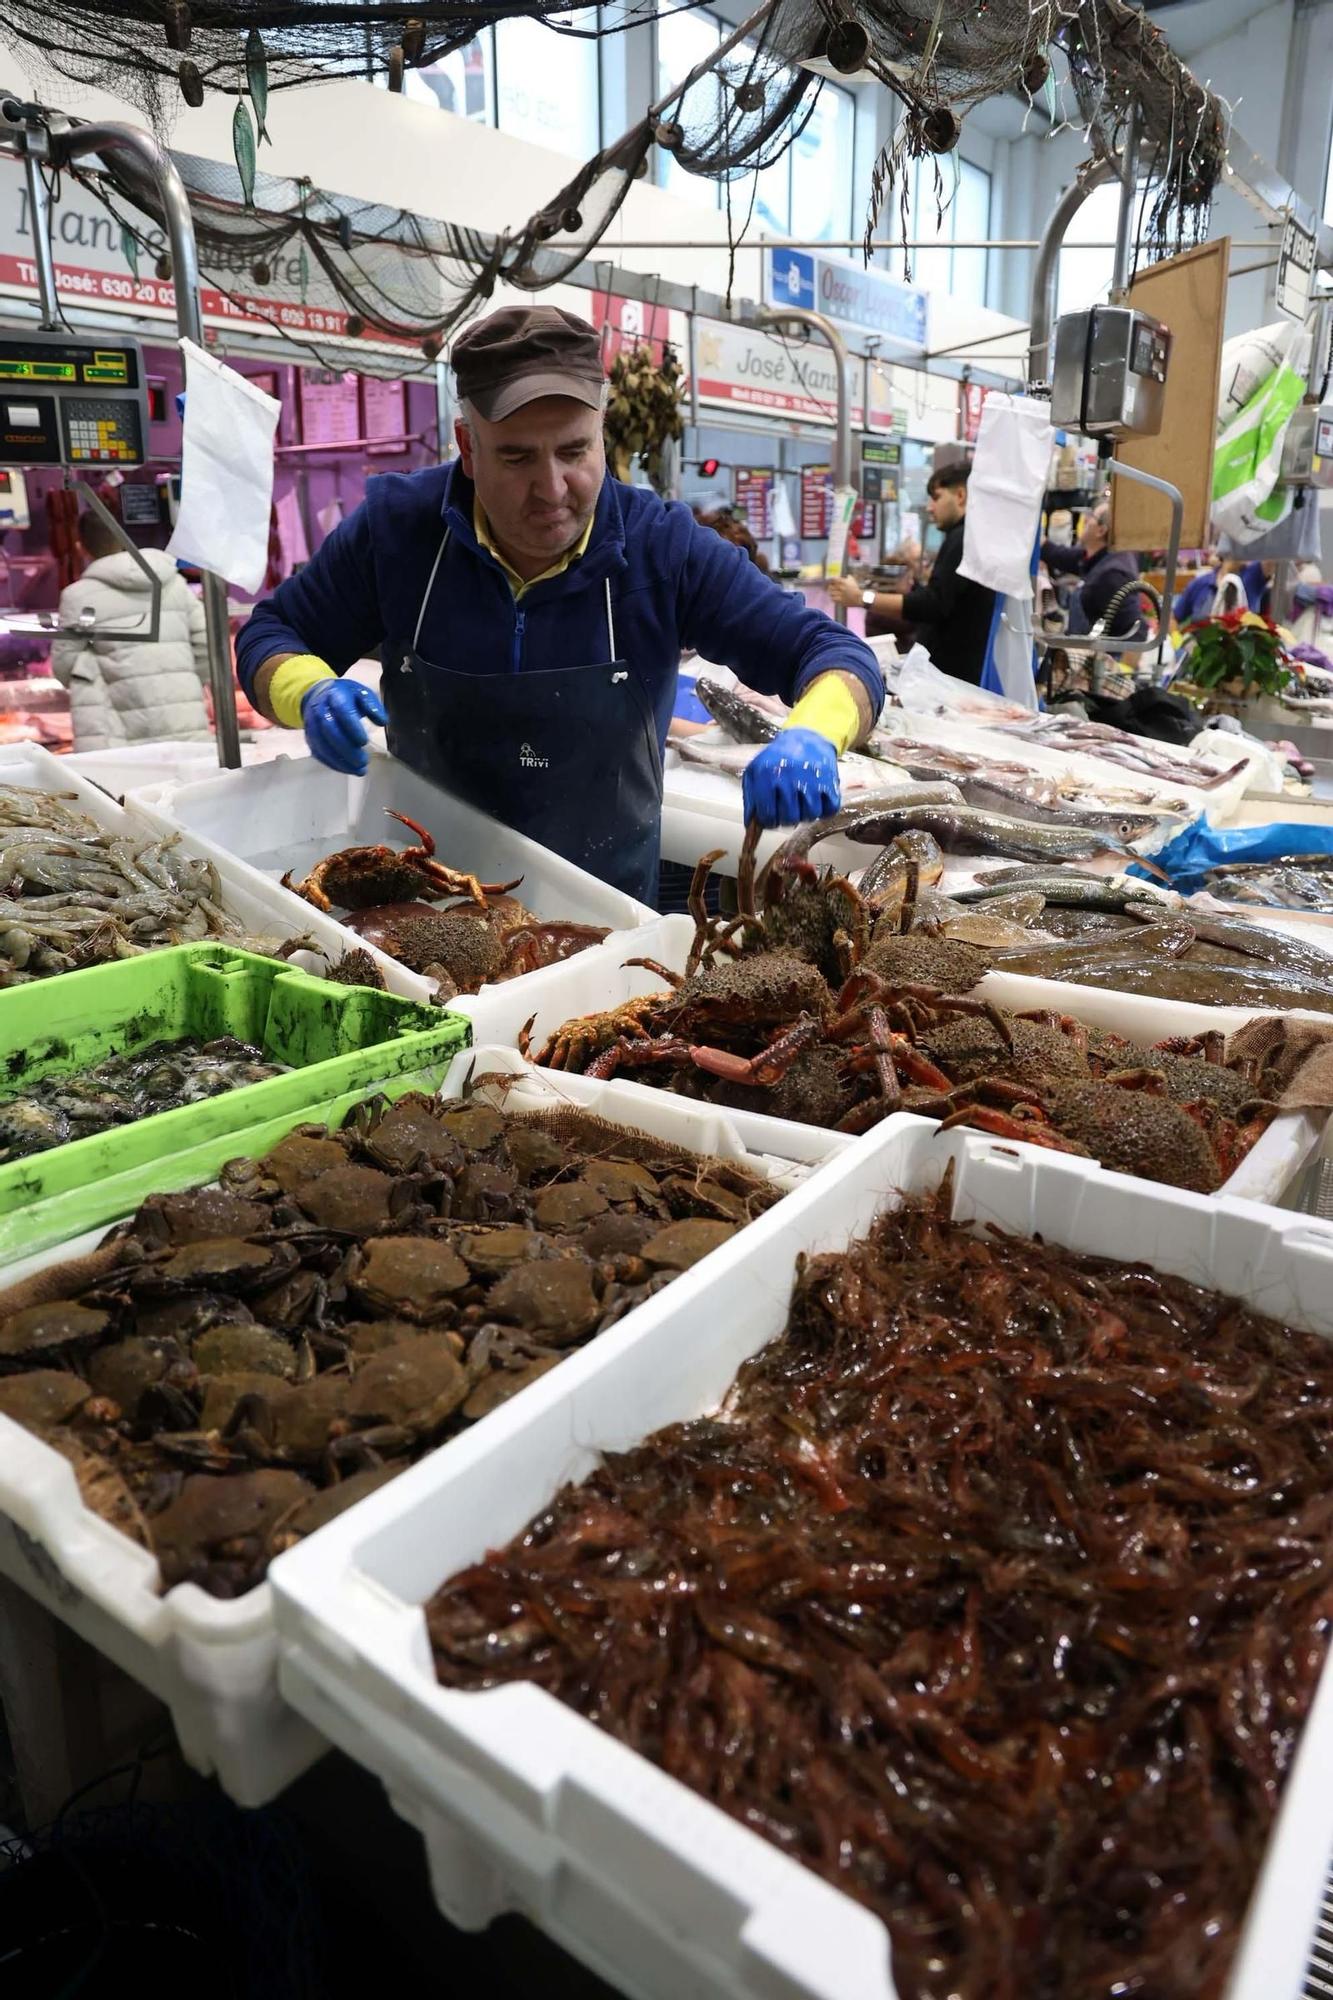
(733, 115)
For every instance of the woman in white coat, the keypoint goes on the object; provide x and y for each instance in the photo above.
(128, 690)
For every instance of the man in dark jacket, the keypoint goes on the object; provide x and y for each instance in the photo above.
(1105, 572)
(951, 614)
(531, 612)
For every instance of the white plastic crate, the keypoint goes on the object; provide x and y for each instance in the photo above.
(289, 813)
(125, 768)
(264, 909)
(211, 1661)
(525, 1805)
(600, 978)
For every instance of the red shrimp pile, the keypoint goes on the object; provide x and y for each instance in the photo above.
(997, 1595)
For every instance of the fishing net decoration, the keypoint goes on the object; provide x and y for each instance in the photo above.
(940, 58)
(734, 115)
(158, 54)
(416, 279)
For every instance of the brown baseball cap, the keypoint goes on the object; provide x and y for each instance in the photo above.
(516, 355)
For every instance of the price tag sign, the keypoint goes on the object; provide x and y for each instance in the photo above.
(1295, 269)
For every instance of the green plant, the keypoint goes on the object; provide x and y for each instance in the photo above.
(1238, 648)
(643, 411)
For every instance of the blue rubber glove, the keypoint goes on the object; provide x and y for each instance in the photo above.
(794, 777)
(331, 718)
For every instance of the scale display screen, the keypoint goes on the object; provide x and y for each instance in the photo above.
(67, 401)
(75, 362)
(38, 371)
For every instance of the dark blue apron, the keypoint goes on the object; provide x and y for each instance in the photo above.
(568, 755)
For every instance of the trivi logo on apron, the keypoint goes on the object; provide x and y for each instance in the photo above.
(528, 757)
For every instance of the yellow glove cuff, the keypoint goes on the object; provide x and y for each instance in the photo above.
(829, 707)
(290, 684)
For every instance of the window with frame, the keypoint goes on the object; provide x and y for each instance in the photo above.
(462, 82)
(686, 38)
(1083, 277)
(808, 192)
(525, 78)
(546, 83)
(946, 220)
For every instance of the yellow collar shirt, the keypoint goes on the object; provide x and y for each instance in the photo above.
(482, 529)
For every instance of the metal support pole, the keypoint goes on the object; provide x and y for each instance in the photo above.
(815, 322)
(150, 161)
(35, 150)
(693, 337)
(1041, 311)
(1129, 194)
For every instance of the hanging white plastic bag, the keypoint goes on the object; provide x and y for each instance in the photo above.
(924, 690)
(1005, 492)
(226, 472)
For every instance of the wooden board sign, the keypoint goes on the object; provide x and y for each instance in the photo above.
(1188, 294)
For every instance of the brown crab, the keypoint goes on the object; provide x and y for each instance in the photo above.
(360, 878)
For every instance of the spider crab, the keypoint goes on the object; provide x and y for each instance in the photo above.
(774, 1000)
(362, 878)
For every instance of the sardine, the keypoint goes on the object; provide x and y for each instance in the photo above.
(740, 718)
(129, 250)
(256, 77)
(243, 149)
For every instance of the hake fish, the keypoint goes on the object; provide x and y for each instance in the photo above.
(740, 718)
(964, 830)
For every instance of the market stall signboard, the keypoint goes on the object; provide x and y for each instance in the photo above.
(383, 415)
(754, 497)
(816, 502)
(330, 407)
(140, 506)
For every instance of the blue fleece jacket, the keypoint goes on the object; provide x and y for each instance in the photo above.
(673, 585)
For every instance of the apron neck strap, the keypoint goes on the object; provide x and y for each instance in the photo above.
(430, 585)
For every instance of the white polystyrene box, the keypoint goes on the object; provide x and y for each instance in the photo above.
(210, 1660)
(601, 978)
(284, 816)
(524, 1804)
(264, 909)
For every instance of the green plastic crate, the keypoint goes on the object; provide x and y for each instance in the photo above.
(342, 1042)
(45, 1225)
